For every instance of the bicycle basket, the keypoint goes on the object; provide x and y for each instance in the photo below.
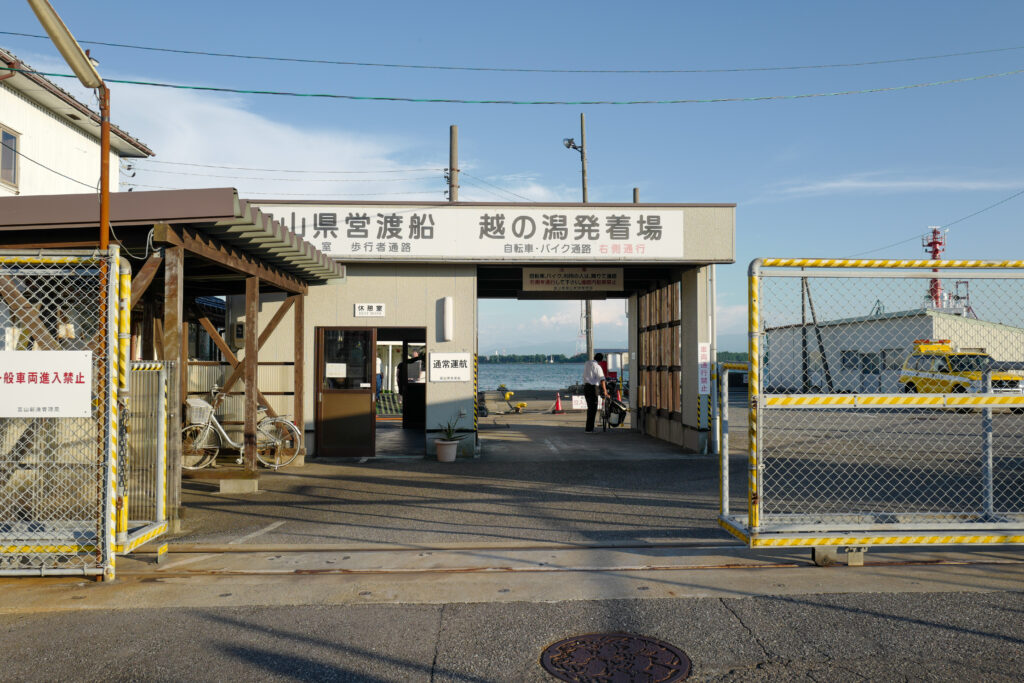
(198, 410)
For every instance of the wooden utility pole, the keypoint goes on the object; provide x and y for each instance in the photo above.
(453, 164)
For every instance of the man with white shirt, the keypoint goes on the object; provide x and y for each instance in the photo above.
(593, 377)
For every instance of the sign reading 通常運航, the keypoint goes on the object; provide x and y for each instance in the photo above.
(45, 384)
(450, 367)
(474, 233)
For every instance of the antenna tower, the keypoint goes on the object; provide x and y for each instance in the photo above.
(934, 243)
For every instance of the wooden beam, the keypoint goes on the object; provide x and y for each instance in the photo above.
(141, 282)
(272, 325)
(169, 341)
(228, 257)
(300, 364)
(251, 361)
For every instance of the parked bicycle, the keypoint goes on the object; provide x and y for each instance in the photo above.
(278, 441)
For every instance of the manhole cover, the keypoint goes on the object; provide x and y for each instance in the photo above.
(615, 658)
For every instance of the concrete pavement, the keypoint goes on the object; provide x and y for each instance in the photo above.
(410, 570)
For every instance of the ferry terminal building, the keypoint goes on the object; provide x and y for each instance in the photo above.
(415, 272)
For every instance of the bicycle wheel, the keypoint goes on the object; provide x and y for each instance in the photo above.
(277, 442)
(199, 446)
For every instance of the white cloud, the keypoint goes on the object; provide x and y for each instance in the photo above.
(732, 319)
(879, 182)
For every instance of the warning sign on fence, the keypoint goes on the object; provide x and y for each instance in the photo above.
(45, 383)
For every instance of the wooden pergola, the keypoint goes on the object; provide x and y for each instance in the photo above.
(185, 244)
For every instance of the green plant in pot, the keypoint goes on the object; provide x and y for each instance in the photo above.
(448, 443)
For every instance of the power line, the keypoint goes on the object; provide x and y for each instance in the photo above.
(508, 192)
(287, 194)
(946, 226)
(301, 60)
(991, 206)
(285, 170)
(290, 180)
(441, 100)
(4, 144)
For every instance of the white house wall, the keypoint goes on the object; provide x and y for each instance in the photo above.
(46, 138)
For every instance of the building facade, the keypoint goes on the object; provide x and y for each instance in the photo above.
(49, 141)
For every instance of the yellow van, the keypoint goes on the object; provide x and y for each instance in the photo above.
(935, 367)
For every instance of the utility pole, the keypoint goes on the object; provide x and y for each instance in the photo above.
(588, 314)
(453, 164)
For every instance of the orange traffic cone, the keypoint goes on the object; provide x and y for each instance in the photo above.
(558, 405)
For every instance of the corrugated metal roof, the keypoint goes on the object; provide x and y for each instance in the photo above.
(216, 212)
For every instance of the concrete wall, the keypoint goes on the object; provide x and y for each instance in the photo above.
(52, 141)
(412, 295)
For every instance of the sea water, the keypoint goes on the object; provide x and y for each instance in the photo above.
(530, 376)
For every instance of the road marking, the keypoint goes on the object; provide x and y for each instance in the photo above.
(269, 527)
(550, 445)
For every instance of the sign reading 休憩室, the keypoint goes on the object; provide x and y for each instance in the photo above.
(572, 279)
(45, 384)
(487, 233)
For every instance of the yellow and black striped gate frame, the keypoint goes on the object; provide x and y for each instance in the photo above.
(58, 475)
(886, 404)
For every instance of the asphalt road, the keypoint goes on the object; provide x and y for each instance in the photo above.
(874, 636)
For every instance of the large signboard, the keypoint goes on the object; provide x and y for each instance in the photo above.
(487, 233)
(45, 384)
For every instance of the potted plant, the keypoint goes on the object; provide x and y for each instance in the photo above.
(448, 444)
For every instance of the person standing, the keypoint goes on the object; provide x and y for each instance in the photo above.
(380, 378)
(593, 380)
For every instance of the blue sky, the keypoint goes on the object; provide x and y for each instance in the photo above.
(827, 176)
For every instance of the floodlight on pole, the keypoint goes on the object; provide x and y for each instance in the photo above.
(90, 78)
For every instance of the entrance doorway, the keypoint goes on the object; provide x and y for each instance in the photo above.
(400, 419)
(345, 387)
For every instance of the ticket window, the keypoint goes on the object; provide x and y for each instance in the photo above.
(346, 384)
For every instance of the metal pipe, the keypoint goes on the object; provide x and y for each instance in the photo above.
(753, 391)
(723, 442)
(986, 448)
(161, 446)
(104, 166)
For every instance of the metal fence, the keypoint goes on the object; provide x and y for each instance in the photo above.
(886, 403)
(56, 465)
(148, 476)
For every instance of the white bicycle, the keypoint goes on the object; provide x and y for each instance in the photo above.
(278, 441)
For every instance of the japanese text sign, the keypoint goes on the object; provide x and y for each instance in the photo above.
(369, 310)
(572, 279)
(450, 367)
(432, 232)
(45, 384)
(703, 368)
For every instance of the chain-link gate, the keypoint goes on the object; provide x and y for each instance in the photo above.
(58, 422)
(147, 470)
(886, 404)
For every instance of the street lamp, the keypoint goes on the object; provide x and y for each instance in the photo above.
(90, 78)
(570, 143)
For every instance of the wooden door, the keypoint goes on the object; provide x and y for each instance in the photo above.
(346, 412)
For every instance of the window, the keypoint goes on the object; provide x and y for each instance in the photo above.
(8, 157)
(894, 358)
(850, 360)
